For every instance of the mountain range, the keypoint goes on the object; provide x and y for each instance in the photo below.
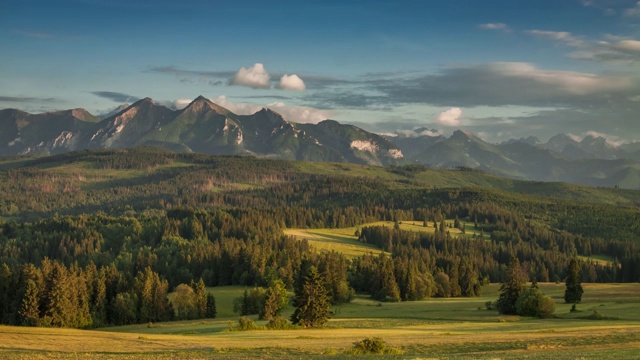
(205, 127)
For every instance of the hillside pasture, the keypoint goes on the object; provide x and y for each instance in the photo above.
(345, 241)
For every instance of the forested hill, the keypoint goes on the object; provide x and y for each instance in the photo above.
(97, 229)
(113, 181)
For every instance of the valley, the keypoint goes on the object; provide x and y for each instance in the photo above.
(96, 229)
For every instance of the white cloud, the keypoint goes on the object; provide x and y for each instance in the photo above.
(414, 133)
(610, 139)
(180, 104)
(430, 133)
(237, 108)
(255, 77)
(450, 117)
(633, 12)
(572, 82)
(614, 49)
(294, 113)
(291, 82)
(300, 114)
(563, 36)
(495, 26)
(627, 45)
(574, 137)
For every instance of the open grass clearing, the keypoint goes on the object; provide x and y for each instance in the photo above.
(599, 259)
(345, 241)
(454, 328)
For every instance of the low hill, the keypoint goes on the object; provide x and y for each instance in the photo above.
(113, 181)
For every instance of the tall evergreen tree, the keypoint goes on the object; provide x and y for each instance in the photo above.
(311, 302)
(511, 288)
(30, 306)
(200, 296)
(277, 299)
(246, 307)
(212, 310)
(7, 284)
(573, 292)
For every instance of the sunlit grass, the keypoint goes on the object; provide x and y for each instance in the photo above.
(455, 328)
(345, 241)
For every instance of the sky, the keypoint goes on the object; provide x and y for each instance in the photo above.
(499, 68)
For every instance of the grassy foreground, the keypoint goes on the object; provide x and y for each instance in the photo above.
(433, 329)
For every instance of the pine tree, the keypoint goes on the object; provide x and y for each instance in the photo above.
(58, 302)
(7, 285)
(276, 300)
(200, 296)
(311, 302)
(30, 306)
(246, 304)
(573, 292)
(511, 288)
(212, 310)
(385, 285)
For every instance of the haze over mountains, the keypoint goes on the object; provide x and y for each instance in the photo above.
(206, 127)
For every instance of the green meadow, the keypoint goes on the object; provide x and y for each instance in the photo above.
(346, 242)
(454, 328)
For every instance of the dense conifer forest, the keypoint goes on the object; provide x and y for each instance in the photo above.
(99, 238)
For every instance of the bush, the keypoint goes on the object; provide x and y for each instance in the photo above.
(532, 302)
(373, 346)
(280, 323)
(546, 307)
(244, 324)
(490, 305)
(598, 316)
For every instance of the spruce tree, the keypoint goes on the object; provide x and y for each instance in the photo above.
(311, 302)
(511, 288)
(246, 304)
(212, 310)
(29, 308)
(573, 292)
(200, 296)
(277, 299)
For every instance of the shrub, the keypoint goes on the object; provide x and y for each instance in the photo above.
(373, 346)
(546, 307)
(490, 305)
(244, 324)
(280, 323)
(532, 302)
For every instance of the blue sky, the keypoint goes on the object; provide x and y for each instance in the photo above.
(499, 68)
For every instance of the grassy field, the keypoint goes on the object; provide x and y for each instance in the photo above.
(434, 328)
(599, 259)
(344, 240)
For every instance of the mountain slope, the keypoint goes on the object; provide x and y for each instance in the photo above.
(205, 127)
(592, 161)
(42, 134)
(202, 126)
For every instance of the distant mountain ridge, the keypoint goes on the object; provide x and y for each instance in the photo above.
(202, 126)
(592, 161)
(205, 127)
